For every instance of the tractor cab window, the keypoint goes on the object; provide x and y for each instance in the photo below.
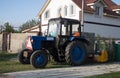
(70, 29)
(75, 28)
(53, 29)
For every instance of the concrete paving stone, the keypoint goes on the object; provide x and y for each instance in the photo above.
(69, 72)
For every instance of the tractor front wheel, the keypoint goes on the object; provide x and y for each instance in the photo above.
(75, 53)
(24, 56)
(39, 59)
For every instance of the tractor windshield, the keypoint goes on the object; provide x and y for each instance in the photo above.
(53, 29)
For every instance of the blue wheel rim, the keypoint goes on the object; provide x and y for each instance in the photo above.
(40, 59)
(77, 54)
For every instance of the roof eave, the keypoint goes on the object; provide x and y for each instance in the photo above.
(115, 16)
(88, 11)
(116, 9)
(26, 30)
(43, 8)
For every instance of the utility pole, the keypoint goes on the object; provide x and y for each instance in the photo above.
(40, 26)
(82, 17)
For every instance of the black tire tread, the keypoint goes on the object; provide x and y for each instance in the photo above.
(23, 60)
(32, 59)
(68, 49)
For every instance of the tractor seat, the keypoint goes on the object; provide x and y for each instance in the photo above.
(76, 34)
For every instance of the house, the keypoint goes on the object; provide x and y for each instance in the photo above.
(33, 29)
(100, 16)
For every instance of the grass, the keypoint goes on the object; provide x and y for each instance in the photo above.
(9, 63)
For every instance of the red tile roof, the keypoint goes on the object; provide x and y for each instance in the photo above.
(89, 1)
(109, 9)
(116, 7)
(109, 12)
(79, 4)
(111, 5)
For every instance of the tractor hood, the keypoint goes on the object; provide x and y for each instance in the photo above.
(37, 42)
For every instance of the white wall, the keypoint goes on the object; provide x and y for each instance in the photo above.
(105, 31)
(54, 6)
(103, 19)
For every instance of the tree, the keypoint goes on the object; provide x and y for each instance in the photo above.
(29, 24)
(8, 28)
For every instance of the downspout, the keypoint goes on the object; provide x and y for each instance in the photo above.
(82, 18)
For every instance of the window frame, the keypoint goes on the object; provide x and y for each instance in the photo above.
(72, 9)
(59, 11)
(47, 14)
(65, 11)
(97, 10)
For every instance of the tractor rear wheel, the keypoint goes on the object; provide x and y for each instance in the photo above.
(24, 56)
(39, 59)
(75, 53)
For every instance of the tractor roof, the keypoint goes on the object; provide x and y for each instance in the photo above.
(67, 20)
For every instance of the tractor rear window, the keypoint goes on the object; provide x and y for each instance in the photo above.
(67, 29)
(75, 28)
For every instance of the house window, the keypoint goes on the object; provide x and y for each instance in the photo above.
(65, 10)
(118, 11)
(47, 14)
(59, 12)
(97, 10)
(72, 10)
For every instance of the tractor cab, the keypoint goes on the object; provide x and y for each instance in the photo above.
(63, 27)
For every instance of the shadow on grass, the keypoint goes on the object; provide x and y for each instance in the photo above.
(7, 56)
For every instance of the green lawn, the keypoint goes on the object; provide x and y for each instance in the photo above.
(9, 63)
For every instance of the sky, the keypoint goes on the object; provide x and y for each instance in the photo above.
(17, 12)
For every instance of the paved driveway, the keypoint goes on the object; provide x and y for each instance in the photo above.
(70, 72)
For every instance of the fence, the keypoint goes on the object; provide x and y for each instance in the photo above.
(13, 42)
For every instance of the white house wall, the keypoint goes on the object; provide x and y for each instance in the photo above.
(54, 5)
(103, 19)
(105, 31)
(102, 30)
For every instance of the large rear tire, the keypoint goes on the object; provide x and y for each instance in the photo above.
(22, 59)
(75, 53)
(39, 59)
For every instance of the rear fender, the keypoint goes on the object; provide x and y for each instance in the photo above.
(79, 39)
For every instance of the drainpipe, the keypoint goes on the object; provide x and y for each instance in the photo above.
(82, 17)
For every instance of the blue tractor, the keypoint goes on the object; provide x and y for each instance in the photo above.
(63, 41)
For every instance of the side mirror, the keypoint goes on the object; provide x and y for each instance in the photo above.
(45, 32)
